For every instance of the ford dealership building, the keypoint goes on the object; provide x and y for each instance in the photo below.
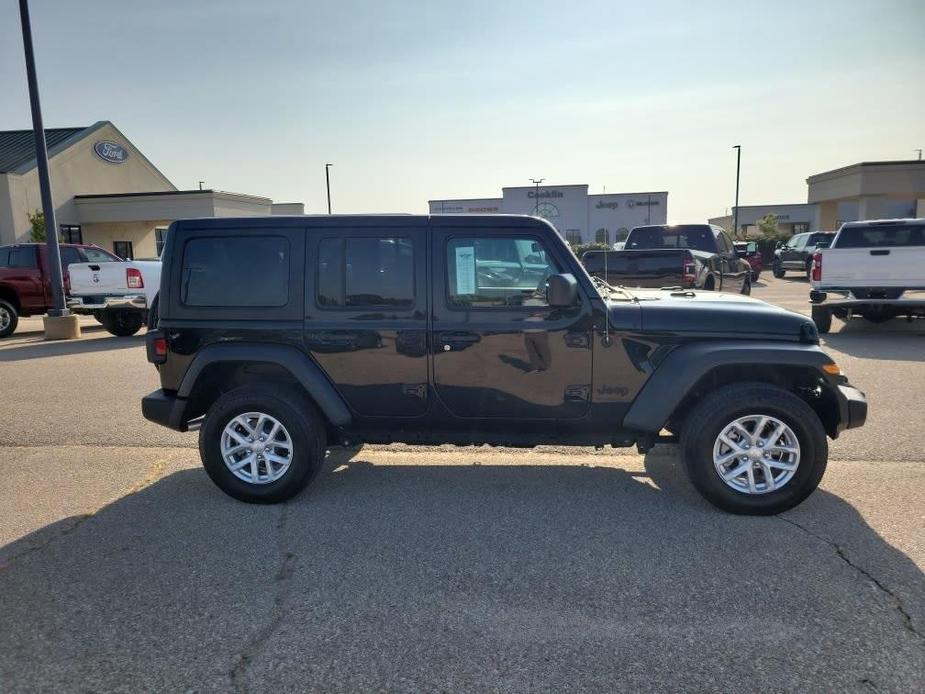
(579, 216)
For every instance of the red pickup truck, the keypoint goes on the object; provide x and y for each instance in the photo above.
(25, 289)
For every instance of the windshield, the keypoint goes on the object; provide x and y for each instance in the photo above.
(694, 236)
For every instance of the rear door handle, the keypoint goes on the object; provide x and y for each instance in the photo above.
(882, 252)
(456, 340)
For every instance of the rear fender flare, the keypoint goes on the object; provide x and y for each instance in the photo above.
(299, 364)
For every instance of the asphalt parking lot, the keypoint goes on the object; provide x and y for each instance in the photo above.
(122, 568)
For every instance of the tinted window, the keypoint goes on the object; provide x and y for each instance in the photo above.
(70, 255)
(23, 256)
(366, 272)
(696, 236)
(882, 236)
(4, 257)
(236, 271)
(497, 272)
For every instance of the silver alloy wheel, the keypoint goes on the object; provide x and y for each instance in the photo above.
(5, 318)
(756, 454)
(256, 448)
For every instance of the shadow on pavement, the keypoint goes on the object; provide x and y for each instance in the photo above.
(39, 348)
(452, 577)
(858, 338)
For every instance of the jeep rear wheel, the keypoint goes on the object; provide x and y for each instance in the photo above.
(9, 318)
(262, 444)
(754, 449)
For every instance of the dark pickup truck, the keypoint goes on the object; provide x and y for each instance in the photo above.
(689, 256)
(282, 336)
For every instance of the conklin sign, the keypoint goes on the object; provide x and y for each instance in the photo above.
(110, 151)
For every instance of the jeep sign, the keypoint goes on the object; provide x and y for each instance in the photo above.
(110, 151)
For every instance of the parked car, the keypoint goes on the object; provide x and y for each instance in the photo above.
(119, 294)
(25, 286)
(797, 253)
(748, 251)
(263, 330)
(684, 255)
(872, 269)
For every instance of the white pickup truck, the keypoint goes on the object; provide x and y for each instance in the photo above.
(873, 269)
(119, 295)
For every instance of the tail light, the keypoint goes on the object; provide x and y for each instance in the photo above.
(688, 273)
(156, 346)
(817, 267)
(133, 278)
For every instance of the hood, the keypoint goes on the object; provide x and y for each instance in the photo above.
(716, 314)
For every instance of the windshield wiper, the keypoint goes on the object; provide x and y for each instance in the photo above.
(610, 289)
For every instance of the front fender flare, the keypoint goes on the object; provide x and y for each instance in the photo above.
(680, 371)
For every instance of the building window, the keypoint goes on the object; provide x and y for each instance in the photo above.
(602, 236)
(573, 237)
(369, 271)
(160, 239)
(70, 233)
(800, 227)
(123, 249)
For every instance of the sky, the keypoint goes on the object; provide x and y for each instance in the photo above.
(412, 101)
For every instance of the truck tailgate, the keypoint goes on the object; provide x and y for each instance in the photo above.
(902, 266)
(642, 268)
(89, 279)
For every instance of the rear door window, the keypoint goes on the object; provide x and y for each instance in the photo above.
(69, 255)
(23, 256)
(365, 272)
(239, 271)
(4, 257)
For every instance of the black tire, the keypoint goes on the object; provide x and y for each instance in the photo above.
(98, 317)
(299, 417)
(822, 317)
(755, 276)
(123, 322)
(747, 286)
(722, 407)
(9, 318)
(777, 270)
(709, 284)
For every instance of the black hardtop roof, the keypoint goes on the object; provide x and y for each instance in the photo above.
(324, 221)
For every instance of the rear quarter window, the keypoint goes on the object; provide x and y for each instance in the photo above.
(238, 271)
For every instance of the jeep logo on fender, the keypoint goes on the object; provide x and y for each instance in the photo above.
(110, 151)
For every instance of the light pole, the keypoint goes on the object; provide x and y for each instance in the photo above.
(536, 182)
(59, 308)
(735, 210)
(327, 183)
(919, 150)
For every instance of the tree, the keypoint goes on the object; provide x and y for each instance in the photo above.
(767, 225)
(37, 220)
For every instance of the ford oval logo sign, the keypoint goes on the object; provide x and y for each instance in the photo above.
(110, 151)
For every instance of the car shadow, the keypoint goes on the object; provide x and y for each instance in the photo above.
(482, 576)
(39, 348)
(858, 338)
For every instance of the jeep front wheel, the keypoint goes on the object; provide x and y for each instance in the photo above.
(754, 449)
(262, 445)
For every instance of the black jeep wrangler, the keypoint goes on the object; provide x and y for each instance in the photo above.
(289, 335)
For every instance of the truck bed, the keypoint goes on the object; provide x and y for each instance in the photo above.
(641, 268)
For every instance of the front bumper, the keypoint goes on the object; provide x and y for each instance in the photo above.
(852, 407)
(165, 409)
(86, 304)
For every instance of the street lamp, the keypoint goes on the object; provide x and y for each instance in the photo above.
(536, 182)
(735, 210)
(59, 309)
(327, 182)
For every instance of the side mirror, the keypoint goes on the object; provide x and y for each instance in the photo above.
(779, 244)
(752, 248)
(561, 290)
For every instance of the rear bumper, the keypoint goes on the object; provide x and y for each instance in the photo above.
(866, 296)
(86, 304)
(165, 409)
(852, 407)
